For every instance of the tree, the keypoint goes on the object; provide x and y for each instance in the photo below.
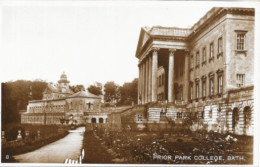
(15, 97)
(128, 92)
(96, 89)
(111, 92)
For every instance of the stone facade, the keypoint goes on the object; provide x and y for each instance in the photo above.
(60, 102)
(208, 71)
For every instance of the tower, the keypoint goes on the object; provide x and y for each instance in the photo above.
(63, 83)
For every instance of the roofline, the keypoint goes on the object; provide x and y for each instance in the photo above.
(82, 97)
(214, 13)
(35, 101)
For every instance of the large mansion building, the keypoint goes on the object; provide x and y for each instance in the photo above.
(206, 71)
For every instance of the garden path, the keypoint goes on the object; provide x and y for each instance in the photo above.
(56, 152)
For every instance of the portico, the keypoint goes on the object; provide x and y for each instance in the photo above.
(171, 55)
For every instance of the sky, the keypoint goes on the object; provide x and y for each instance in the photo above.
(88, 40)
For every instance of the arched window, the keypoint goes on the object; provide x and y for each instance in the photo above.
(247, 115)
(93, 120)
(101, 120)
(235, 117)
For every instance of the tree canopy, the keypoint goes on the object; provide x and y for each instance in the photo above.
(111, 92)
(128, 92)
(96, 89)
(122, 95)
(15, 97)
(16, 94)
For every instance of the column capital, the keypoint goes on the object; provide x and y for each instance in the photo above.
(172, 50)
(154, 49)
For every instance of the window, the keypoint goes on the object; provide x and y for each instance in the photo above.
(241, 40)
(197, 59)
(211, 52)
(211, 86)
(220, 47)
(210, 113)
(220, 84)
(204, 88)
(240, 80)
(89, 105)
(204, 56)
(140, 118)
(197, 90)
(162, 114)
(179, 115)
(191, 62)
(191, 90)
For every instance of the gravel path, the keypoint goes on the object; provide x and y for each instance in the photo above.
(56, 152)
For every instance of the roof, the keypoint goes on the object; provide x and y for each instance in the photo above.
(218, 12)
(84, 94)
(175, 33)
(52, 88)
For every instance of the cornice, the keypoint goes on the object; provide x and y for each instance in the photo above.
(170, 38)
(218, 13)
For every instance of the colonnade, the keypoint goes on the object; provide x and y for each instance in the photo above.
(147, 85)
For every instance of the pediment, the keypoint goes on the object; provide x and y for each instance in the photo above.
(143, 38)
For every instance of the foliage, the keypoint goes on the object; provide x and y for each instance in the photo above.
(15, 97)
(111, 92)
(96, 89)
(128, 92)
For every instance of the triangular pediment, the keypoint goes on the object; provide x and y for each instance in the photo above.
(143, 38)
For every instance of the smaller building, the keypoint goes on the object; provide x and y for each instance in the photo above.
(59, 102)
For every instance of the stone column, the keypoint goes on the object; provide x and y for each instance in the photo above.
(143, 83)
(139, 83)
(186, 80)
(150, 79)
(171, 75)
(154, 73)
(147, 79)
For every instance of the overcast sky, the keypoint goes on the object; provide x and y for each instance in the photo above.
(89, 41)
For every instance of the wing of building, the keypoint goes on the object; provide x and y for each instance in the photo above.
(60, 102)
(206, 70)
